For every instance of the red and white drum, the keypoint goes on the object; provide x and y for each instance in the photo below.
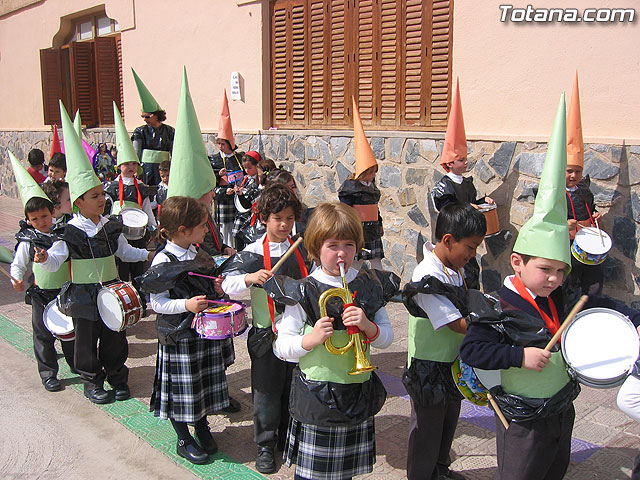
(223, 320)
(59, 324)
(119, 305)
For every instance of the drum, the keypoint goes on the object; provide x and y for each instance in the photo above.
(60, 325)
(589, 248)
(490, 213)
(220, 259)
(223, 320)
(474, 383)
(119, 305)
(238, 204)
(134, 222)
(235, 176)
(601, 347)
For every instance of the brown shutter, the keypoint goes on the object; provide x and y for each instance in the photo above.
(107, 74)
(390, 63)
(318, 74)
(364, 69)
(297, 65)
(83, 92)
(416, 83)
(441, 49)
(51, 85)
(337, 89)
(120, 98)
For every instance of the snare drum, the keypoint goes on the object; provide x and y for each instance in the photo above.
(59, 324)
(490, 213)
(474, 383)
(119, 305)
(601, 346)
(235, 176)
(134, 223)
(223, 320)
(589, 248)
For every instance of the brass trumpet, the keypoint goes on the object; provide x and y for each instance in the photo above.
(361, 362)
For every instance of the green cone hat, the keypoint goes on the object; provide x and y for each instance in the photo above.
(126, 153)
(191, 172)
(27, 186)
(80, 174)
(149, 104)
(77, 124)
(546, 233)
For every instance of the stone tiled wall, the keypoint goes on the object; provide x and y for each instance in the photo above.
(408, 169)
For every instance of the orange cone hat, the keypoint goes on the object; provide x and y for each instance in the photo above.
(225, 130)
(55, 142)
(364, 154)
(575, 144)
(455, 140)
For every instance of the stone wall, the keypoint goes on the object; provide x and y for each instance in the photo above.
(408, 169)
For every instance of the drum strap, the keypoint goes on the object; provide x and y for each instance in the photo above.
(121, 191)
(553, 322)
(573, 209)
(266, 253)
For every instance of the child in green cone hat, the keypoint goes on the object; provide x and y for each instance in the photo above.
(91, 242)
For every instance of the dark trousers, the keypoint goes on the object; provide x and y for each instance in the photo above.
(151, 173)
(535, 450)
(100, 353)
(431, 431)
(43, 344)
(270, 388)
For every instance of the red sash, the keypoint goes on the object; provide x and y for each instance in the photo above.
(266, 253)
(121, 191)
(552, 324)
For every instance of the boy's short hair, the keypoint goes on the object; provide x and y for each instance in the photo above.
(164, 166)
(275, 199)
(161, 115)
(332, 220)
(37, 203)
(59, 160)
(36, 157)
(460, 220)
(278, 177)
(54, 189)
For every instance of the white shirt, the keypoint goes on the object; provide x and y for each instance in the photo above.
(288, 345)
(235, 284)
(456, 178)
(161, 302)
(22, 260)
(147, 207)
(438, 308)
(59, 252)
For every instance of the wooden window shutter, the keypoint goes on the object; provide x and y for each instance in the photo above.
(318, 65)
(416, 63)
(107, 74)
(338, 93)
(298, 65)
(83, 91)
(441, 48)
(52, 90)
(120, 98)
(390, 65)
(365, 62)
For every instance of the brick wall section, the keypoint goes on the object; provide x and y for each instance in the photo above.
(408, 169)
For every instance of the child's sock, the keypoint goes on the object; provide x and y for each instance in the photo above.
(202, 429)
(182, 429)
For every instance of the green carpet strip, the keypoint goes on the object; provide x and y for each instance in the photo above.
(135, 416)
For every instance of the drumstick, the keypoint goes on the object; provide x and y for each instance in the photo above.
(599, 231)
(200, 275)
(286, 255)
(496, 408)
(7, 274)
(576, 308)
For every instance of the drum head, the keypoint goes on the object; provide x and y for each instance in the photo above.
(589, 240)
(110, 310)
(485, 207)
(488, 378)
(601, 345)
(55, 321)
(132, 217)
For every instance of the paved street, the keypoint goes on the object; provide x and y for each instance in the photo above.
(62, 435)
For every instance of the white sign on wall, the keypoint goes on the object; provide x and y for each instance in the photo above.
(236, 92)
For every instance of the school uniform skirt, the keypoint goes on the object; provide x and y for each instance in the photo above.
(190, 381)
(331, 453)
(372, 241)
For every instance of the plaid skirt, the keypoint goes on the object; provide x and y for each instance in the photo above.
(375, 250)
(190, 381)
(331, 453)
(225, 209)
